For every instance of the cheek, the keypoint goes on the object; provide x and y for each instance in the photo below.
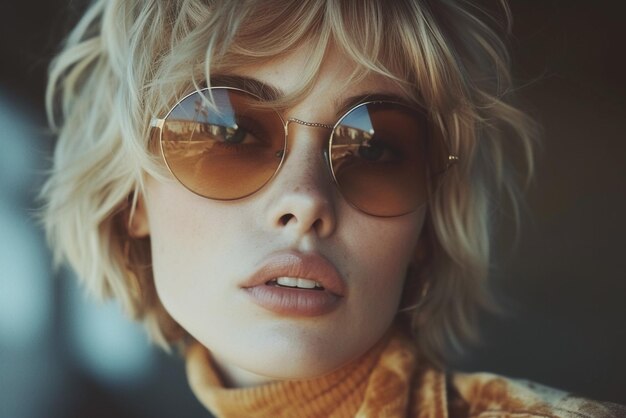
(384, 250)
(191, 244)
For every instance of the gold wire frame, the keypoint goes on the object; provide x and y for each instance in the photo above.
(158, 123)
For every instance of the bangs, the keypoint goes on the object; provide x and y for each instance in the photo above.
(392, 39)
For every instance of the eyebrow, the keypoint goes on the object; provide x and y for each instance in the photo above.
(268, 92)
(263, 90)
(353, 101)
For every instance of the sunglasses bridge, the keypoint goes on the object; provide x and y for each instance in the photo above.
(311, 124)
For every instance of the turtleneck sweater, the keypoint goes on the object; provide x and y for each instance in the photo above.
(389, 381)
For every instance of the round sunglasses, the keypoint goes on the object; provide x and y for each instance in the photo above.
(225, 143)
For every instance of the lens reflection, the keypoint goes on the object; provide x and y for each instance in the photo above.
(223, 147)
(378, 158)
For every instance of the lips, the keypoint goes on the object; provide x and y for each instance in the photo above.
(264, 291)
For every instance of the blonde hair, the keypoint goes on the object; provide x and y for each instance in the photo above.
(128, 61)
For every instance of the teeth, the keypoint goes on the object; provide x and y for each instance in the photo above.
(297, 282)
(306, 284)
(287, 281)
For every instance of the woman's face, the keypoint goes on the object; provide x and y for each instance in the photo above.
(204, 251)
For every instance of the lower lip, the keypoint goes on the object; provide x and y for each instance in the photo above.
(293, 302)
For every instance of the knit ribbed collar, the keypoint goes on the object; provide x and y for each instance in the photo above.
(385, 382)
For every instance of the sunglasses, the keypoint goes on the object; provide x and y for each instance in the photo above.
(225, 143)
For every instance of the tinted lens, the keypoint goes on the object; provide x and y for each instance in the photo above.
(379, 158)
(224, 147)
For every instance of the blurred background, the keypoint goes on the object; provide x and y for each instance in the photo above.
(565, 282)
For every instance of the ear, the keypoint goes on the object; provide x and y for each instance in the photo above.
(138, 227)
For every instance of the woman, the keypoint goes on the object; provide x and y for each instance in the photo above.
(297, 194)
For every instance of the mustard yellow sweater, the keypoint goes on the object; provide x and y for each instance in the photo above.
(389, 381)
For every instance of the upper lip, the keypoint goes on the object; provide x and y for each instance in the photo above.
(310, 266)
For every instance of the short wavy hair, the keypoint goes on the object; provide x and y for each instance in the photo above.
(128, 61)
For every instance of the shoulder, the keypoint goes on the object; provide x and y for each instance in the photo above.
(486, 395)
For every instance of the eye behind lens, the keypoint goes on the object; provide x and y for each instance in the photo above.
(221, 144)
(378, 155)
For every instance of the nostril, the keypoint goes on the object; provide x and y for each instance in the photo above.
(285, 219)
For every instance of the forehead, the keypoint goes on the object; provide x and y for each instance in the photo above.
(333, 79)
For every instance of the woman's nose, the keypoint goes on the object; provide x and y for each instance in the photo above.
(302, 196)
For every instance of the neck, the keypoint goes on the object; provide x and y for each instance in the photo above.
(236, 377)
(386, 368)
